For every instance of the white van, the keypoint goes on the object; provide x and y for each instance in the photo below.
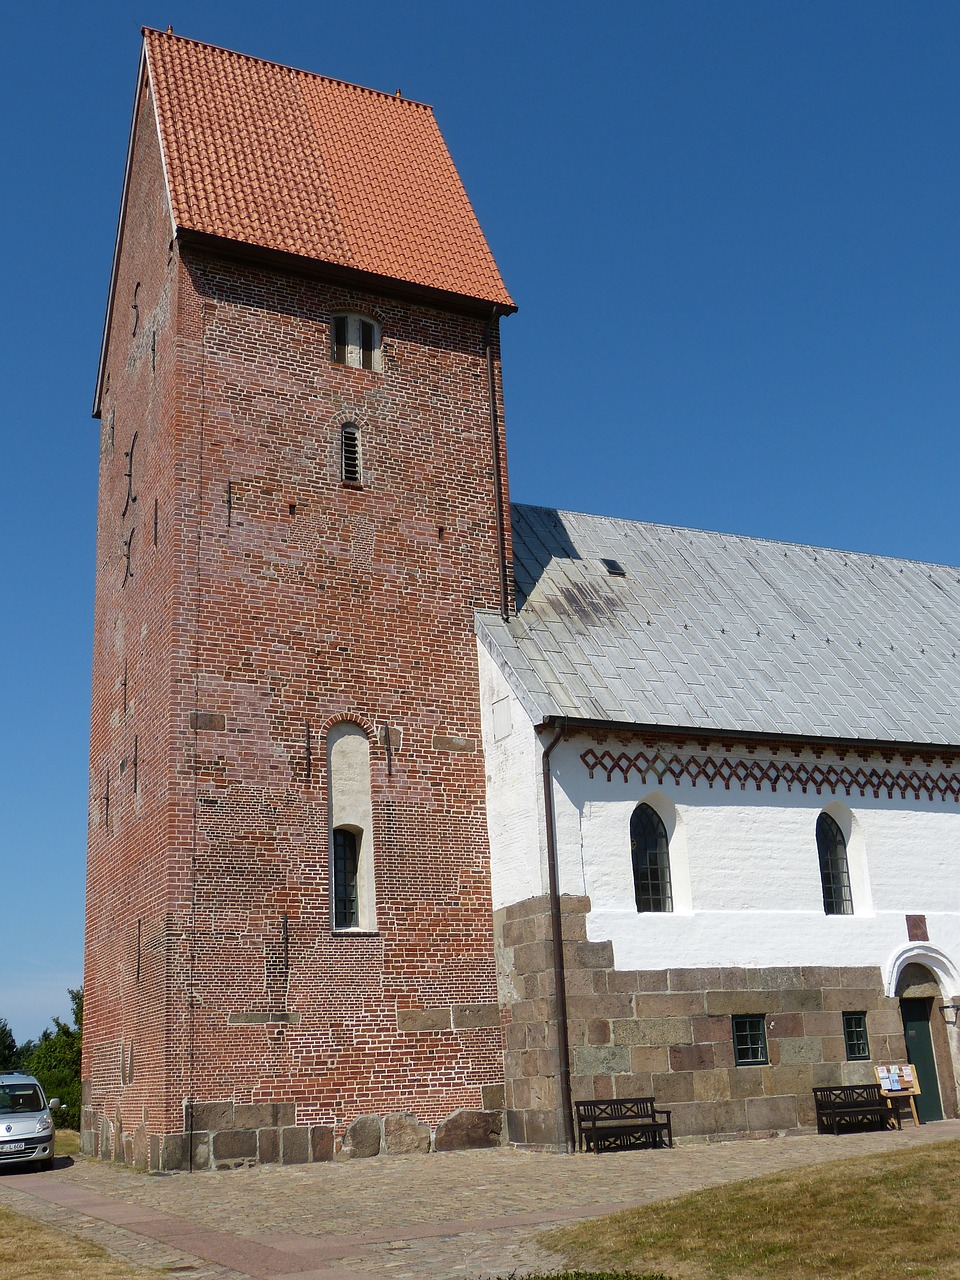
(26, 1125)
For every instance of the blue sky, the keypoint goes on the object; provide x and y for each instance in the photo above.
(731, 226)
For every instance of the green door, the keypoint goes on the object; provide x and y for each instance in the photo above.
(916, 1032)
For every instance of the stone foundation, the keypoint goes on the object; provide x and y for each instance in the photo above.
(227, 1135)
(669, 1033)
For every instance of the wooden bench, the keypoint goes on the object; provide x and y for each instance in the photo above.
(620, 1124)
(845, 1107)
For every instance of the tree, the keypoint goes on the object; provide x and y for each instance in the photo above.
(25, 1051)
(56, 1062)
(8, 1047)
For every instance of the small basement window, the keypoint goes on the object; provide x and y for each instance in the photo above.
(855, 1036)
(750, 1040)
(355, 341)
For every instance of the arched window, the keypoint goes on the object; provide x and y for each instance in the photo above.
(346, 913)
(350, 472)
(352, 893)
(651, 860)
(834, 872)
(355, 341)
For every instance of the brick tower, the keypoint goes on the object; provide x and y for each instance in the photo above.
(302, 501)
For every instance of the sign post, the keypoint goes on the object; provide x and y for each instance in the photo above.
(898, 1084)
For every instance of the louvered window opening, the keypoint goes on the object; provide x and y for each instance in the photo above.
(346, 913)
(855, 1036)
(750, 1040)
(834, 871)
(350, 453)
(355, 341)
(651, 860)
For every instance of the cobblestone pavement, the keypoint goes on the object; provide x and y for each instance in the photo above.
(458, 1216)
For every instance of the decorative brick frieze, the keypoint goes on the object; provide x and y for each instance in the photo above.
(664, 764)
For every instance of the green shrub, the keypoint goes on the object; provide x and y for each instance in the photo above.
(56, 1063)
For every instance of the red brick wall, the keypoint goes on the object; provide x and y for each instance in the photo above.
(299, 603)
(128, 900)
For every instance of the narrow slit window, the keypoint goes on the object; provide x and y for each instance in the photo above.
(350, 471)
(367, 344)
(834, 871)
(338, 339)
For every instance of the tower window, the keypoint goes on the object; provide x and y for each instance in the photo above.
(834, 872)
(350, 471)
(352, 892)
(355, 341)
(345, 864)
(651, 860)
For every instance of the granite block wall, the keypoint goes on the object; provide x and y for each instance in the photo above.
(669, 1033)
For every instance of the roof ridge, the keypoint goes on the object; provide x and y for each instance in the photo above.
(284, 66)
(744, 537)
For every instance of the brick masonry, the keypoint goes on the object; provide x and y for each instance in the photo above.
(246, 602)
(669, 1033)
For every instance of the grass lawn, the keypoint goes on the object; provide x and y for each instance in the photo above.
(877, 1218)
(66, 1142)
(33, 1251)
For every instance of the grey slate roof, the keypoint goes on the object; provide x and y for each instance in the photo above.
(721, 632)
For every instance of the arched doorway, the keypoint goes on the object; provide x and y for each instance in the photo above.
(924, 1034)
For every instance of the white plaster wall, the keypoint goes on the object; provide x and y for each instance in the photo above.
(746, 874)
(514, 791)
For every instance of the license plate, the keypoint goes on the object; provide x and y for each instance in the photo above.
(13, 1146)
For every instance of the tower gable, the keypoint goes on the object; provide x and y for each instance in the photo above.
(272, 157)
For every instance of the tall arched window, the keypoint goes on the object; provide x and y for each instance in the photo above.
(651, 860)
(352, 896)
(834, 872)
(346, 914)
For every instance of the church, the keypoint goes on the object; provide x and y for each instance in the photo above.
(417, 816)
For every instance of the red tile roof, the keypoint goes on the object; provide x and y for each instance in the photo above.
(282, 159)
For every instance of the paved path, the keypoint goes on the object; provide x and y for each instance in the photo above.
(459, 1216)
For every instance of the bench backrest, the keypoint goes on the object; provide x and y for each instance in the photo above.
(617, 1109)
(849, 1094)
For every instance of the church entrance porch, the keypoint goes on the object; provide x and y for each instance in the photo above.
(927, 1040)
(919, 1044)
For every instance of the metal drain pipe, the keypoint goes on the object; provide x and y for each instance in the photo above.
(559, 969)
(497, 470)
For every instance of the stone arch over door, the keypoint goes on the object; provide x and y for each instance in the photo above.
(919, 986)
